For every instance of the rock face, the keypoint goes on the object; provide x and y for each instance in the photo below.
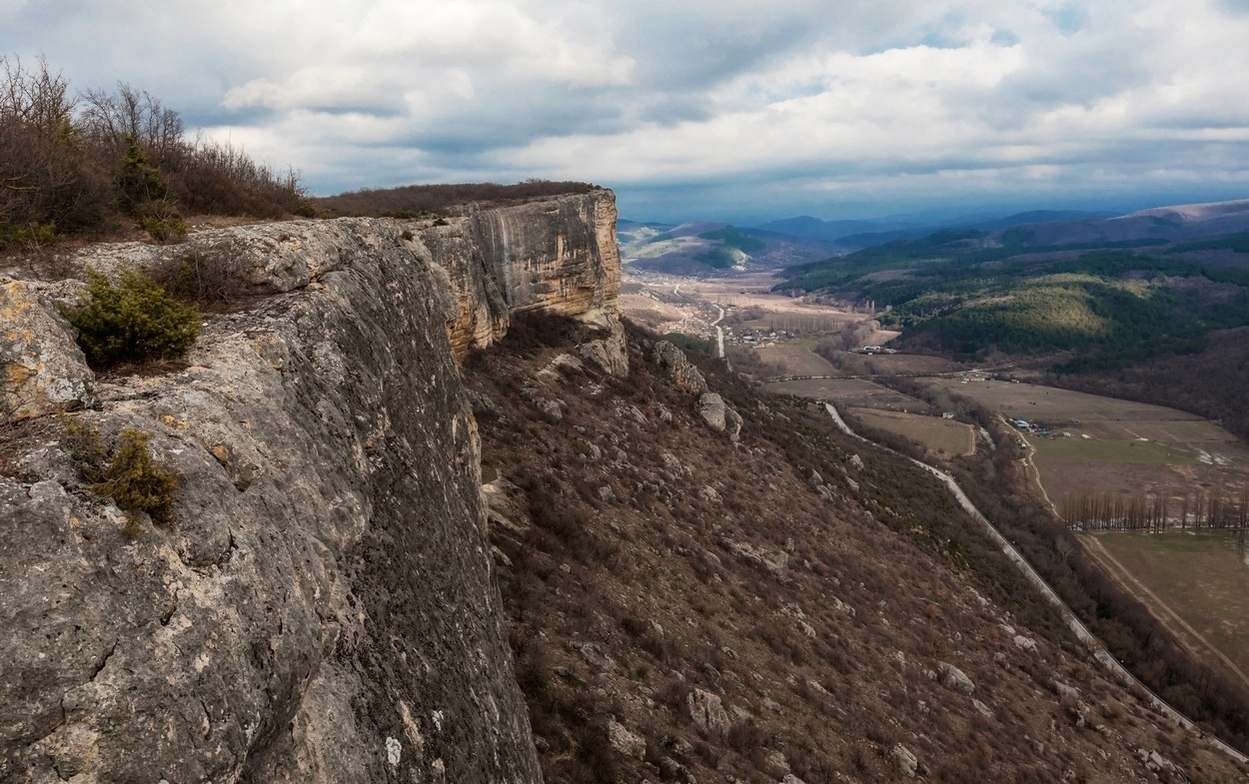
(558, 255)
(324, 608)
(43, 369)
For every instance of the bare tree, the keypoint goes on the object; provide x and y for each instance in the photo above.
(45, 175)
(110, 119)
(37, 98)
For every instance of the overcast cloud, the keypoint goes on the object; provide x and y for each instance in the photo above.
(734, 110)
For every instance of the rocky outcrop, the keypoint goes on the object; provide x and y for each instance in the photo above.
(719, 415)
(324, 608)
(708, 713)
(624, 742)
(955, 679)
(557, 255)
(673, 362)
(44, 371)
(907, 763)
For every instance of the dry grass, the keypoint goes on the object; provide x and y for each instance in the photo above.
(629, 591)
(943, 436)
(1202, 579)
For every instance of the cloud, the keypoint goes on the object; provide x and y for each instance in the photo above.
(730, 104)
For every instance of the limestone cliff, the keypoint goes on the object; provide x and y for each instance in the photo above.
(558, 255)
(324, 608)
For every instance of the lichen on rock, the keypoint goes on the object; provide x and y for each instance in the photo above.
(44, 370)
(326, 595)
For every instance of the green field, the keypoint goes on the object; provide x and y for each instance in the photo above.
(936, 434)
(1200, 581)
(1109, 451)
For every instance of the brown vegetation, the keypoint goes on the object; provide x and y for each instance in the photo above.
(414, 201)
(86, 164)
(630, 569)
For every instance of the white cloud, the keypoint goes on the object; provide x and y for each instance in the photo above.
(898, 99)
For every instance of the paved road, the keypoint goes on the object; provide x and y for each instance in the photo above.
(1110, 663)
(719, 333)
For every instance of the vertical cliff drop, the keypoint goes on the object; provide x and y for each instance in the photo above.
(324, 608)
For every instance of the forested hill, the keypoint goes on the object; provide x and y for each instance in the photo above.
(1099, 304)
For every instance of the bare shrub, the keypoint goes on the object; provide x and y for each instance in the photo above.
(220, 178)
(211, 279)
(70, 166)
(47, 181)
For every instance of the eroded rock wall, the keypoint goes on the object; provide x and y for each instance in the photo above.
(324, 608)
(558, 255)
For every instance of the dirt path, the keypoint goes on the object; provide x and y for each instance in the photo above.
(1031, 468)
(1197, 645)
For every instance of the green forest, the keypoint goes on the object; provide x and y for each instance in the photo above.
(1092, 307)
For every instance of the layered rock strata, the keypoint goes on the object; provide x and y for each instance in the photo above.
(558, 255)
(324, 607)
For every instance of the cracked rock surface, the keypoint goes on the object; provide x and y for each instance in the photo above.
(324, 608)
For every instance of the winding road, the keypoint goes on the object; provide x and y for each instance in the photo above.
(1077, 627)
(719, 333)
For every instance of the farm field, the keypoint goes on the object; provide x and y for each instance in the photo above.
(935, 433)
(1197, 584)
(848, 392)
(910, 365)
(1042, 403)
(1103, 446)
(1148, 452)
(797, 360)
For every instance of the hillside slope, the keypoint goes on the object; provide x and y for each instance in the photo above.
(693, 603)
(693, 583)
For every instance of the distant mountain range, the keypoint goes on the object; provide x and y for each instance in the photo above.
(858, 234)
(1187, 222)
(708, 247)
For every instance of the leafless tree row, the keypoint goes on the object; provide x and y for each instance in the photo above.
(1106, 512)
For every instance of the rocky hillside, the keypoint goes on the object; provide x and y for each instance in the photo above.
(696, 584)
(708, 586)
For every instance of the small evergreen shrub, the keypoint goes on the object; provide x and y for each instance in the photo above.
(138, 183)
(162, 221)
(30, 235)
(132, 320)
(137, 482)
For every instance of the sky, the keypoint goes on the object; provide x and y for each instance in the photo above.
(727, 110)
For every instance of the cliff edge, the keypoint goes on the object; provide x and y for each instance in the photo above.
(324, 607)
